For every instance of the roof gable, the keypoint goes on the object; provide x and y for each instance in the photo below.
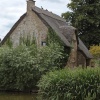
(60, 26)
(55, 25)
(13, 28)
(47, 13)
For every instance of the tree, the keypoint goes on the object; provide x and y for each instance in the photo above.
(85, 17)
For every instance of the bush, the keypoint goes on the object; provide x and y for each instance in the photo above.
(76, 84)
(17, 70)
(22, 67)
(95, 51)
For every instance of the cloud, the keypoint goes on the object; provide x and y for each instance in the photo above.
(52, 1)
(9, 14)
(10, 11)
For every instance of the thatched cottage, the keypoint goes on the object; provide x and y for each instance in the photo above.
(36, 21)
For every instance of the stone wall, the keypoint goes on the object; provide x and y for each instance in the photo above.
(30, 26)
(81, 59)
(72, 60)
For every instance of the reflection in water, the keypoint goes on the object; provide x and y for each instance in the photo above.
(14, 96)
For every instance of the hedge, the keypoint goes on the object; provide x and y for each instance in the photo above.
(71, 84)
(22, 67)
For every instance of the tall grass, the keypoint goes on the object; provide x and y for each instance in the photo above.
(22, 67)
(76, 84)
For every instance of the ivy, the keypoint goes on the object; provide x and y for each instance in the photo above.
(54, 39)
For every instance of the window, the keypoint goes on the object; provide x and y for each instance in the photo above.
(43, 43)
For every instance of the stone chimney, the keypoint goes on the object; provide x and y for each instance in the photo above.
(30, 5)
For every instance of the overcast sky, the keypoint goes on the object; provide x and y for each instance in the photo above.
(11, 10)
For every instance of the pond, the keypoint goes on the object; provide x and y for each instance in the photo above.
(18, 96)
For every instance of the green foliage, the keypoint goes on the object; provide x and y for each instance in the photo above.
(22, 67)
(53, 39)
(95, 51)
(28, 41)
(9, 43)
(17, 71)
(68, 84)
(85, 17)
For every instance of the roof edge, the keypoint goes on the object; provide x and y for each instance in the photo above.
(12, 29)
(47, 13)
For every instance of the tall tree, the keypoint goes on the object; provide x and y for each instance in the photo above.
(85, 16)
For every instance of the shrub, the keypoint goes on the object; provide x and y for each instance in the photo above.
(95, 50)
(17, 69)
(22, 67)
(76, 84)
(53, 38)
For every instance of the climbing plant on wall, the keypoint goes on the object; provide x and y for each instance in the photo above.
(54, 39)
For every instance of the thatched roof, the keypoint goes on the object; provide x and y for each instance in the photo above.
(54, 21)
(58, 24)
(68, 32)
(64, 31)
(84, 49)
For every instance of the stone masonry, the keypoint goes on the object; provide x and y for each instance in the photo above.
(30, 26)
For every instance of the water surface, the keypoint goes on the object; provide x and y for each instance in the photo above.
(18, 96)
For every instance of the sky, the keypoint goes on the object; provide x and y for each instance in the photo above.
(11, 10)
